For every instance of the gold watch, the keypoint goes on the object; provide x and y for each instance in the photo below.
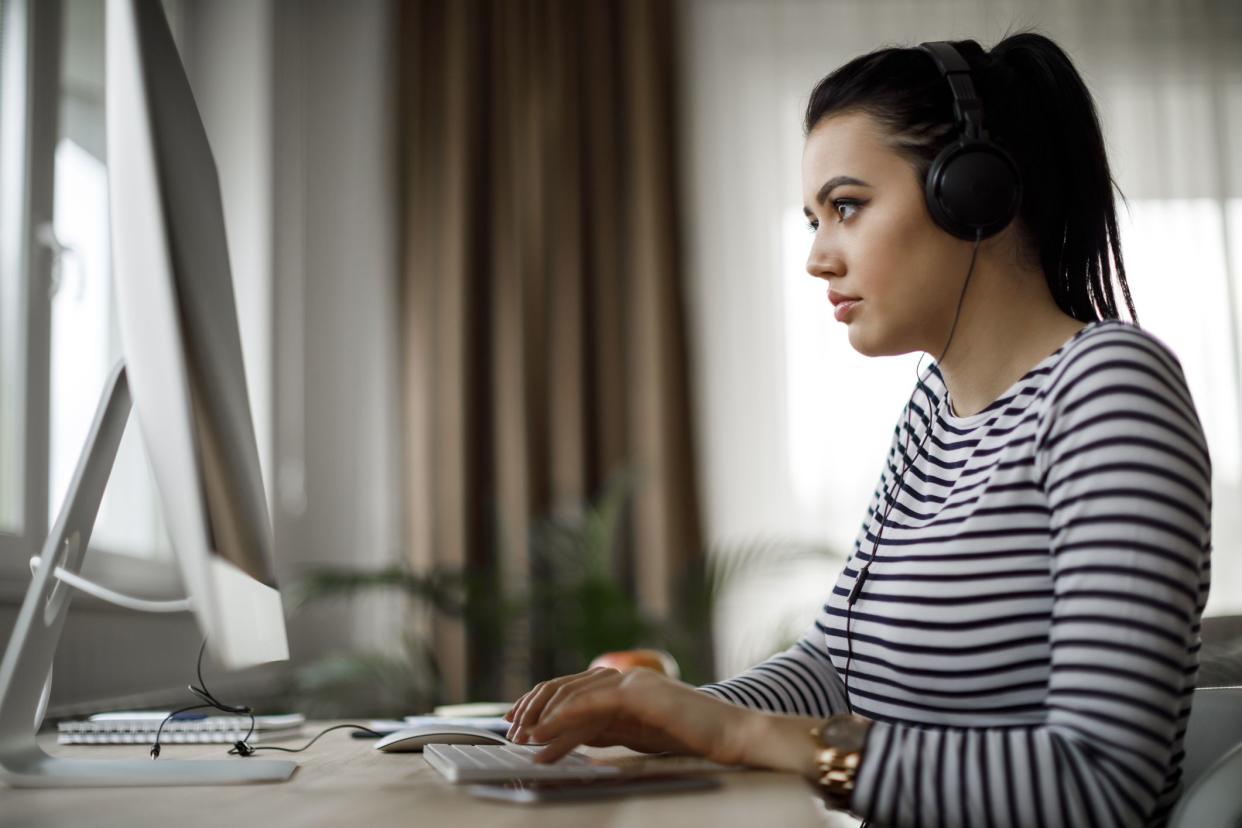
(838, 749)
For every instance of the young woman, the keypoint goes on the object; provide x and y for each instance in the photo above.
(1014, 638)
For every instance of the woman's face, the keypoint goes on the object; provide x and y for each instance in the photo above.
(875, 240)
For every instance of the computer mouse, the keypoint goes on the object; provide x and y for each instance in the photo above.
(415, 739)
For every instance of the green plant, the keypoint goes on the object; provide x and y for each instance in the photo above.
(578, 607)
(370, 682)
(381, 685)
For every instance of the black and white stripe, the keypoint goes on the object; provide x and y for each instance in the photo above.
(1027, 639)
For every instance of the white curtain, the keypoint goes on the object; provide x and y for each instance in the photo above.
(793, 424)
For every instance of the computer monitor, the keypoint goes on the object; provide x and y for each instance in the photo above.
(183, 367)
(180, 338)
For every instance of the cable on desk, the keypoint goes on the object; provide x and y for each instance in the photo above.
(243, 749)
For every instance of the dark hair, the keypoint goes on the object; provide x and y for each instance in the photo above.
(1037, 107)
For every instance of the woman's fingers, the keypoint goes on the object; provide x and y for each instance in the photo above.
(601, 703)
(528, 709)
(516, 709)
(642, 709)
(649, 711)
(597, 677)
(540, 702)
(524, 703)
(563, 744)
(536, 699)
(518, 706)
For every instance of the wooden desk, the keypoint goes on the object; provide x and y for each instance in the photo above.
(343, 781)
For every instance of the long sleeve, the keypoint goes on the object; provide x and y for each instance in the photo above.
(799, 681)
(1122, 462)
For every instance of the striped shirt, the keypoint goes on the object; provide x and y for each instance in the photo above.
(1026, 641)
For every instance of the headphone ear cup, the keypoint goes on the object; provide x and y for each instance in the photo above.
(973, 186)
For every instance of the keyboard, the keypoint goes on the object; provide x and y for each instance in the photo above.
(501, 763)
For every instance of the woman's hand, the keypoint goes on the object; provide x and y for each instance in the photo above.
(641, 709)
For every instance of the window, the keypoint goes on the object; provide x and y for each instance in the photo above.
(58, 331)
(85, 342)
(10, 315)
(22, 202)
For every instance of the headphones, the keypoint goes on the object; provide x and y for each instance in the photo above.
(973, 191)
(973, 186)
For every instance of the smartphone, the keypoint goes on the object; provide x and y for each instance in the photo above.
(529, 792)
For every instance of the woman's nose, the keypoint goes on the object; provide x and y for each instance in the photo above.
(822, 262)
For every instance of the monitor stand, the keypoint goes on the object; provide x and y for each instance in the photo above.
(28, 658)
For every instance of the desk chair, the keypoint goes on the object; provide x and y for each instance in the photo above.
(1212, 767)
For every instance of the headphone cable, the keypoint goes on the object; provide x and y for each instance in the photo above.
(890, 497)
(241, 747)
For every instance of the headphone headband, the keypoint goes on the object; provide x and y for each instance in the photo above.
(967, 107)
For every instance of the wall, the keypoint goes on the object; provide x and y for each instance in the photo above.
(336, 413)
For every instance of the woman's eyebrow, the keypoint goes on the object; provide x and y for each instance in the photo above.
(830, 185)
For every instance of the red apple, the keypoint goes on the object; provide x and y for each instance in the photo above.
(626, 660)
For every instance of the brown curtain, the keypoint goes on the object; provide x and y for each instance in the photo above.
(544, 339)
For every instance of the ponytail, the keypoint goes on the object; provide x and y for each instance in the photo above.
(1037, 107)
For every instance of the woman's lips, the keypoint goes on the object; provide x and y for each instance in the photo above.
(845, 309)
(841, 303)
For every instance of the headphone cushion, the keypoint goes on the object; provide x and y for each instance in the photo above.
(972, 186)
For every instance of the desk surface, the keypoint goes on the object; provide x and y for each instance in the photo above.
(343, 781)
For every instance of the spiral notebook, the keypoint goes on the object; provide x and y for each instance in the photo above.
(138, 728)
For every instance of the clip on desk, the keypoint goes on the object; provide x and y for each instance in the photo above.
(345, 782)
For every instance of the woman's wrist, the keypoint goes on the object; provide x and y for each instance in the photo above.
(781, 742)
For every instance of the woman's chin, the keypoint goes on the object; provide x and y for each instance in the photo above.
(865, 341)
(861, 340)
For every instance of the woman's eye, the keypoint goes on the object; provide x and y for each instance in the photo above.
(840, 203)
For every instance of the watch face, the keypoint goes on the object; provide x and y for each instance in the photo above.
(845, 733)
